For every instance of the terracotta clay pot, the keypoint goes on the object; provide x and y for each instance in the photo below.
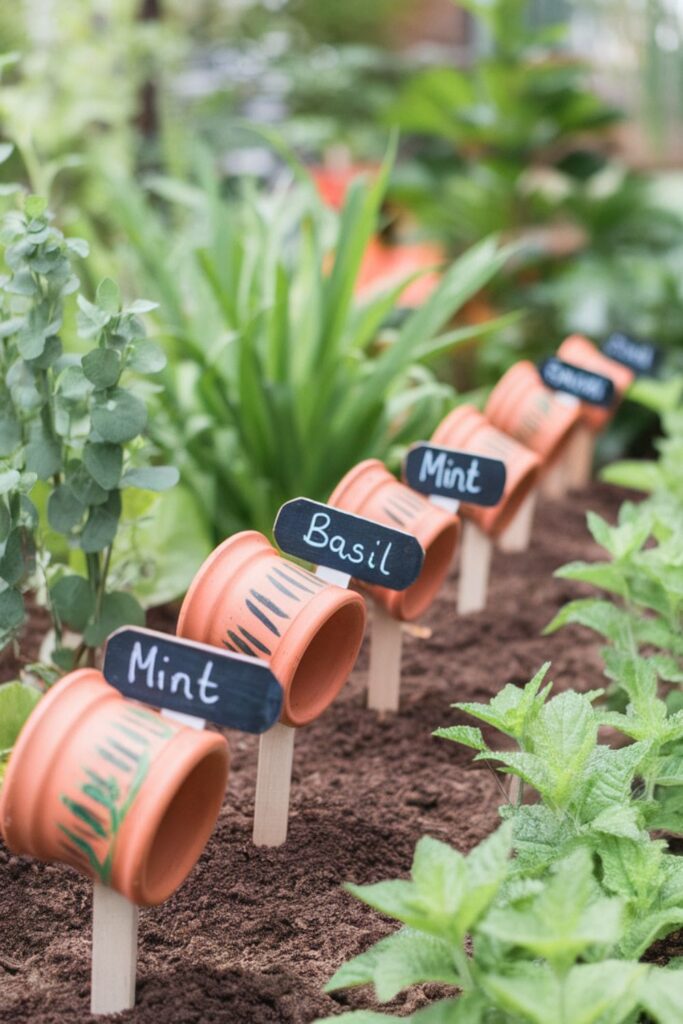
(466, 429)
(583, 353)
(523, 407)
(249, 599)
(370, 490)
(107, 785)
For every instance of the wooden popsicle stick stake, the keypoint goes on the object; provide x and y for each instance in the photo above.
(475, 562)
(384, 676)
(517, 536)
(554, 481)
(579, 458)
(274, 776)
(114, 951)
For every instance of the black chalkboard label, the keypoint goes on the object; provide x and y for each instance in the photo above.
(463, 476)
(197, 679)
(640, 356)
(589, 387)
(364, 549)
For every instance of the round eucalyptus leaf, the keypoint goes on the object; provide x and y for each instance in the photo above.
(83, 486)
(118, 416)
(151, 478)
(73, 385)
(50, 354)
(102, 367)
(10, 430)
(73, 601)
(108, 296)
(9, 480)
(118, 609)
(64, 511)
(43, 457)
(28, 513)
(14, 562)
(103, 520)
(5, 522)
(30, 343)
(11, 610)
(104, 462)
(147, 357)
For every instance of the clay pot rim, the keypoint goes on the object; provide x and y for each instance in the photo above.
(326, 608)
(184, 752)
(27, 737)
(410, 604)
(210, 564)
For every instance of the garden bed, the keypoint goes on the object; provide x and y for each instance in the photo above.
(254, 934)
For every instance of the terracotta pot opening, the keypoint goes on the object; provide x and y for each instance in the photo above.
(411, 603)
(183, 830)
(325, 664)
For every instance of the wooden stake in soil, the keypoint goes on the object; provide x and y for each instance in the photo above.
(384, 674)
(114, 951)
(554, 483)
(579, 459)
(517, 536)
(274, 775)
(331, 539)
(450, 476)
(476, 551)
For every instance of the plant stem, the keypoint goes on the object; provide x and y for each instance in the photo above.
(461, 961)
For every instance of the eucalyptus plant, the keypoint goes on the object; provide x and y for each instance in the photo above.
(71, 441)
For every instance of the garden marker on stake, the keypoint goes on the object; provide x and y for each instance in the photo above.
(179, 677)
(583, 354)
(509, 520)
(450, 477)
(106, 785)
(538, 418)
(371, 491)
(247, 598)
(377, 555)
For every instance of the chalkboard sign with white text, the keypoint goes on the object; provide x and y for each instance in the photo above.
(640, 356)
(229, 689)
(573, 380)
(360, 547)
(474, 479)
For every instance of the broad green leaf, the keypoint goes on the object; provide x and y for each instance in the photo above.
(464, 734)
(147, 357)
(11, 610)
(104, 463)
(102, 367)
(151, 478)
(43, 457)
(17, 701)
(566, 918)
(108, 296)
(73, 601)
(118, 416)
(64, 511)
(118, 609)
(9, 479)
(640, 475)
(100, 529)
(406, 958)
(660, 994)
(91, 319)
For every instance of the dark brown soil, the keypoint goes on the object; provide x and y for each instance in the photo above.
(254, 934)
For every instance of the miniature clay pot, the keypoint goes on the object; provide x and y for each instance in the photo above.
(249, 599)
(385, 266)
(466, 429)
(523, 407)
(583, 353)
(107, 785)
(370, 490)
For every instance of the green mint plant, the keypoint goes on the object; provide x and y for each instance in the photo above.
(541, 950)
(592, 797)
(70, 436)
